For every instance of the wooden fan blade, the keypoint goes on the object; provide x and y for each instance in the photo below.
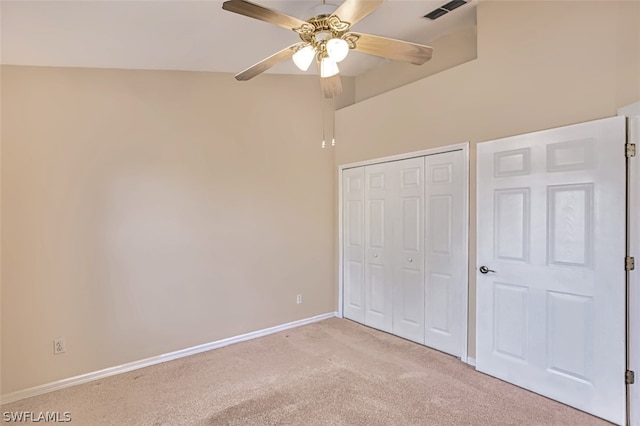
(352, 11)
(393, 49)
(253, 10)
(331, 86)
(267, 63)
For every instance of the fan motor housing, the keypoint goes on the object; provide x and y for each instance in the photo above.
(322, 28)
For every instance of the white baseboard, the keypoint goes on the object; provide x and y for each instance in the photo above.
(124, 368)
(471, 361)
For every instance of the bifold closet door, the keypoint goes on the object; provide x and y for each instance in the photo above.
(403, 248)
(407, 215)
(353, 243)
(445, 258)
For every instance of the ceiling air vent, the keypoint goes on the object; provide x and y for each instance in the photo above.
(453, 4)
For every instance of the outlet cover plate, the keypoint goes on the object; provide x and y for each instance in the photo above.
(59, 346)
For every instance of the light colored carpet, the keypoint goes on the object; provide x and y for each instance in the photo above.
(334, 372)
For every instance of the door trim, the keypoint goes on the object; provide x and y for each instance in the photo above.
(464, 147)
(633, 233)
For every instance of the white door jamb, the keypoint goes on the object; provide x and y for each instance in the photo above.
(632, 112)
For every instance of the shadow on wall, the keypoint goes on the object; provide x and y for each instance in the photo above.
(450, 50)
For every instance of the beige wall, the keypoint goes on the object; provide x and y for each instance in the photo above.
(540, 65)
(449, 50)
(145, 212)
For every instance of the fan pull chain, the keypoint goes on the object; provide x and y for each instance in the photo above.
(324, 122)
(326, 105)
(333, 131)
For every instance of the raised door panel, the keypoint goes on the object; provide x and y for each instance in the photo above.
(510, 315)
(570, 315)
(511, 225)
(570, 218)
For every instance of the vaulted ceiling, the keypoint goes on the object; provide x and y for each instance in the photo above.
(190, 35)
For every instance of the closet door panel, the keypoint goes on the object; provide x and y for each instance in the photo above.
(408, 248)
(378, 247)
(353, 186)
(444, 256)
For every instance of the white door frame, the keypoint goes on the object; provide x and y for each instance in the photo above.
(633, 295)
(464, 147)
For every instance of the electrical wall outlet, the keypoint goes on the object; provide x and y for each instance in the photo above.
(59, 346)
(299, 299)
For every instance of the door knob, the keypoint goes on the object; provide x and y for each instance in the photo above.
(486, 270)
(410, 260)
(375, 255)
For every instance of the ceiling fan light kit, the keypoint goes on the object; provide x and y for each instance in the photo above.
(303, 57)
(328, 67)
(327, 37)
(337, 49)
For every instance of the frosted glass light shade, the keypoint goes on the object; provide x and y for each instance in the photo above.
(337, 49)
(303, 57)
(328, 68)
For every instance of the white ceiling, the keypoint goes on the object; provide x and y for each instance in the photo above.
(189, 35)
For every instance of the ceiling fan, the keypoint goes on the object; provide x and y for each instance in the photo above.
(326, 37)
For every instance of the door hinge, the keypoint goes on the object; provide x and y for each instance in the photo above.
(630, 150)
(629, 263)
(629, 377)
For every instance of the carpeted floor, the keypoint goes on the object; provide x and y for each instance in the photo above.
(334, 372)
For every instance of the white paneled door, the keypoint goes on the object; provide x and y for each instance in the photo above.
(551, 279)
(445, 253)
